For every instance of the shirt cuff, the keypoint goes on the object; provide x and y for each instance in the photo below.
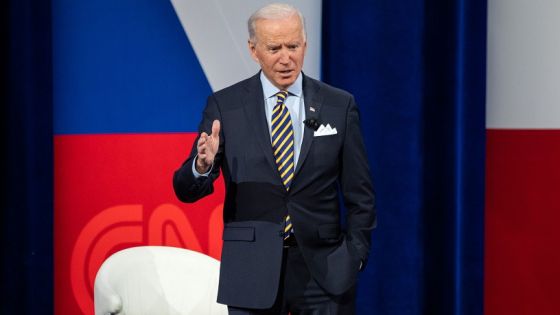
(197, 174)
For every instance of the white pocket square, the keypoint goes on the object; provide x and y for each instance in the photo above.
(325, 131)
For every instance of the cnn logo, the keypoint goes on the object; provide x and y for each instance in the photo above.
(124, 226)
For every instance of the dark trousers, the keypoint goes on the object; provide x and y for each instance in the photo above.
(299, 294)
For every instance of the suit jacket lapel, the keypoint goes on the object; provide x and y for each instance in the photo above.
(312, 98)
(254, 109)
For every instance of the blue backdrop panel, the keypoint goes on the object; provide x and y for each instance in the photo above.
(124, 66)
(417, 69)
(26, 211)
(383, 69)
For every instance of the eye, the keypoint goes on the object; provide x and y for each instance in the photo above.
(293, 47)
(273, 49)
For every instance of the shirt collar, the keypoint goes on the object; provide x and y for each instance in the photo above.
(269, 90)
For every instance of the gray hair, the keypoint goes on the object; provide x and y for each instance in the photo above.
(274, 11)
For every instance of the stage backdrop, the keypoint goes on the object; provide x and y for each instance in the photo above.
(128, 93)
(130, 81)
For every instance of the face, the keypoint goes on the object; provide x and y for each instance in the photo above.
(279, 48)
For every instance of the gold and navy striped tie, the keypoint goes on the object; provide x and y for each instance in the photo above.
(283, 146)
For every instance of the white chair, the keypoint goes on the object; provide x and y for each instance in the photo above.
(158, 280)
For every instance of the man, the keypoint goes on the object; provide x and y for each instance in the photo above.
(284, 249)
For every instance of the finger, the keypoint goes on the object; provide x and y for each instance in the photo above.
(201, 147)
(215, 129)
(202, 141)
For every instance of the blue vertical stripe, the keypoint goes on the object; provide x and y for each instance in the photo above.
(26, 201)
(417, 70)
(459, 165)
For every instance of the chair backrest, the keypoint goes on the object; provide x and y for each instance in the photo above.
(160, 280)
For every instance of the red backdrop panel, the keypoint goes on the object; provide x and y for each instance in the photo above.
(522, 251)
(114, 192)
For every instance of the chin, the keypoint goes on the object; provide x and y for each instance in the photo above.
(286, 82)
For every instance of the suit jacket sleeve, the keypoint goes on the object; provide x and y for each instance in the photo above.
(186, 186)
(357, 187)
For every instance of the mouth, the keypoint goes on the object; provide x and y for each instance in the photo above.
(286, 73)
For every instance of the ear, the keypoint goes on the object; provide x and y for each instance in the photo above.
(253, 50)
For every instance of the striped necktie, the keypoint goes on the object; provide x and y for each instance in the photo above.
(283, 146)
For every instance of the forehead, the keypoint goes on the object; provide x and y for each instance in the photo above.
(283, 29)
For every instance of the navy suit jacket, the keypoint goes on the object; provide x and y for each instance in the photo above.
(256, 202)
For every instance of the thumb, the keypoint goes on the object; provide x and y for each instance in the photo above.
(216, 129)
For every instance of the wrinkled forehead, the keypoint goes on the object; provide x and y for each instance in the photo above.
(287, 28)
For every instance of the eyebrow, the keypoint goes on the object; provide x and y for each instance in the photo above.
(290, 44)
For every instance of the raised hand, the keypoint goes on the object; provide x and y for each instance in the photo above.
(207, 148)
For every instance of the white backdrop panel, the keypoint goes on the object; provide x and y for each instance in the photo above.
(523, 72)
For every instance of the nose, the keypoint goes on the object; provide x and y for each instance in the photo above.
(284, 57)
